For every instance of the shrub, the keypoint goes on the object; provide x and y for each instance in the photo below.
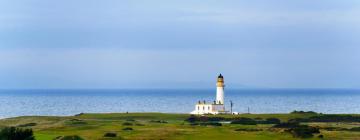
(329, 118)
(128, 129)
(139, 124)
(211, 124)
(73, 137)
(304, 131)
(130, 120)
(272, 121)
(335, 129)
(244, 121)
(158, 121)
(27, 125)
(297, 130)
(203, 119)
(75, 122)
(303, 112)
(127, 123)
(206, 124)
(79, 114)
(13, 133)
(110, 134)
(192, 119)
(286, 125)
(193, 124)
(241, 120)
(298, 120)
(216, 119)
(334, 118)
(355, 129)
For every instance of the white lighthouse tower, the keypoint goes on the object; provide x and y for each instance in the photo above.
(220, 90)
(215, 107)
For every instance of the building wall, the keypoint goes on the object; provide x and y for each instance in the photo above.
(218, 107)
(208, 109)
(203, 108)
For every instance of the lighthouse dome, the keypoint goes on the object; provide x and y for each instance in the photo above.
(220, 76)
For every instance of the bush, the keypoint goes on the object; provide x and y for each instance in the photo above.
(329, 118)
(193, 124)
(158, 121)
(79, 114)
(304, 131)
(27, 125)
(334, 118)
(206, 124)
(272, 121)
(192, 119)
(127, 123)
(355, 129)
(139, 124)
(241, 120)
(286, 125)
(110, 134)
(298, 120)
(303, 112)
(13, 133)
(244, 121)
(73, 137)
(203, 119)
(335, 129)
(216, 119)
(211, 124)
(128, 129)
(297, 130)
(75, 122)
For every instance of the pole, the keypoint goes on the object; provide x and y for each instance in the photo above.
(231, 106)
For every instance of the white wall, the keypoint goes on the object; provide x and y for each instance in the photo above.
(220, 95)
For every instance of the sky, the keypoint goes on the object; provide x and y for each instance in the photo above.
(179, 44)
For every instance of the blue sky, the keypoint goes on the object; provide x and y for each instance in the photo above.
(179, 43)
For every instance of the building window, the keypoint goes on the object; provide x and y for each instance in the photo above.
(208, 107)
(198, 108)
(203, 107)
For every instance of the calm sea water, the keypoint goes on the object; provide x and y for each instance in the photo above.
(69, 102)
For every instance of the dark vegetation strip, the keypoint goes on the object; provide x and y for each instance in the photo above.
(15, 133)
(329, 118)
(235, 120)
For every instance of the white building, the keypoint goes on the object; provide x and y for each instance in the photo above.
(215, 107)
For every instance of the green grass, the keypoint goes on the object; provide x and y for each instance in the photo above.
(93, 127)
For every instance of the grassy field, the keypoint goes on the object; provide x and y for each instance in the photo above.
(168, 126)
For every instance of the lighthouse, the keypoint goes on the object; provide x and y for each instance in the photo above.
(216, 106)
(220, 90)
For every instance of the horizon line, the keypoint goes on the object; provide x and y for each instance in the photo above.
(277, 88)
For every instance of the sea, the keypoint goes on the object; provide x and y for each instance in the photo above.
(65, 102)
